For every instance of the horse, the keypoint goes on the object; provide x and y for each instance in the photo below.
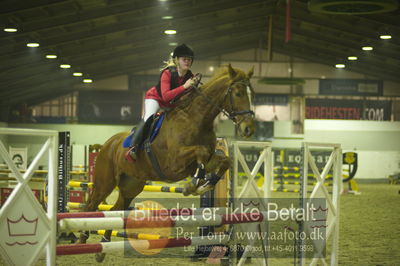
(185, 145)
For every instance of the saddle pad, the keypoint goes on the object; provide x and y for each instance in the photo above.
(156, 127)
(128, 140)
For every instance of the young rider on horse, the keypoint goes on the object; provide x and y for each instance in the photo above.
(175, 79)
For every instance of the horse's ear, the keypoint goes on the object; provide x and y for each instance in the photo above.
(232, 72)
(251, 72)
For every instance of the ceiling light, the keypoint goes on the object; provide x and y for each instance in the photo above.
(167, 17)
(173, 44)
(385, 37)
(170, 32)
(10, 29)
(87, 80)
(367, 48)
(340, 65)
(352, 58)
(65, 66)
(211, 68)
(77, 74)
(51, 56)
(32, 44)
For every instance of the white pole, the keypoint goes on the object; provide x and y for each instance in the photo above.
(337, 188)
(52, 201)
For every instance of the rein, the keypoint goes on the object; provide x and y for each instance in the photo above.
(230, 114)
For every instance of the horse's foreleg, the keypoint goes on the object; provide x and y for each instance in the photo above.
(186, 155)
(215, 169)
(121, 204)
(104, 184)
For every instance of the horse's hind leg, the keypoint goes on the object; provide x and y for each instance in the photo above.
(129, 188)
(104, 184)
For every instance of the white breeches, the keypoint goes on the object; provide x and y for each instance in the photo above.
(150, 107)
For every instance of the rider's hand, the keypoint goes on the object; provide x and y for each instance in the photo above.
(189, 83)
(196, 79)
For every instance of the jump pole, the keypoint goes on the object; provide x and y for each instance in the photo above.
(141, 213)
(141, 245)
(148, 188)
(133, 235)
(70, 224)
(78, 205)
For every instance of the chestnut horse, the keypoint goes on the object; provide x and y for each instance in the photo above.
(185, 145)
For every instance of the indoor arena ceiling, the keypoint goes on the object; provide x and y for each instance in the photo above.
(105, 38)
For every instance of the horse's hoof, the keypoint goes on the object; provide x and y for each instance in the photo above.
(189, 188)
(203, 189)
(100, 257)
(82, 238)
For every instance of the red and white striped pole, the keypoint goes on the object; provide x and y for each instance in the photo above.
(142, 213)
(173, 221)
(140, 245)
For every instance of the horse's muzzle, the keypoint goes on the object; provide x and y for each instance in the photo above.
(247, 127)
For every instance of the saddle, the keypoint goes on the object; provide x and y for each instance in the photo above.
(150, 131)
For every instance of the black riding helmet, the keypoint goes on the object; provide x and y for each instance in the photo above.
(183, 50)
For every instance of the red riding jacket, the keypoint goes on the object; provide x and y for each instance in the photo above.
(169, 87)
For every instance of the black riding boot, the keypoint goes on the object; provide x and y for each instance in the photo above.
(137, 139)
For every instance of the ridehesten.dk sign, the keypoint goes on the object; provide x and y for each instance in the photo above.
(348, 109)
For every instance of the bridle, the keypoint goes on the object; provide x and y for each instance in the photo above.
(231, 114)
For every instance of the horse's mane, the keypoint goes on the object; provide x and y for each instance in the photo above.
(223, 70)
(221, 73)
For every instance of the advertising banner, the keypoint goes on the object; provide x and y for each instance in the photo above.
(356, 87)
(348, 109)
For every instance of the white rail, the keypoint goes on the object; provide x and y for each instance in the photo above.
(26, 228)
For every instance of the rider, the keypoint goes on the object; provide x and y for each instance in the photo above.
(175, 79)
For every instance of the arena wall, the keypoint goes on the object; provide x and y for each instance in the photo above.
(376, 142)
